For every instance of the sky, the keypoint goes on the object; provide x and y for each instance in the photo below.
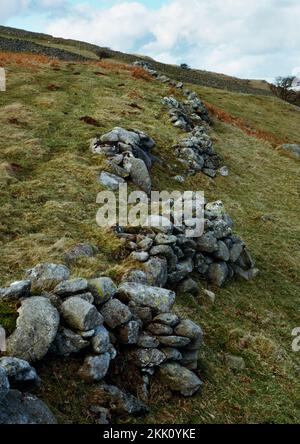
(243, 38)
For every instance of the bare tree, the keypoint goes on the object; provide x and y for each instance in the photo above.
(282, 86)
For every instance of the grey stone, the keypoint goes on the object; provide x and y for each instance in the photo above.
(174, 341)
(100, 342)
(164, 239)
(138, 172)
(235, 362)
(80, 250)
(147, 341)
(223, 252)
(190, 359)
(119, 402)
(145, 244)
(136, 276)
(210, 295)
(88, 297)
(143, 313)
(115, 313)
(72, 286)
(37, 326)
(118, 134)
(4, 384)
(111, 181)
(18, 371)
(224, 171)
(180, 379)
(16, 290)
(189, 286)
(80, 314)
(172, 354)
(95, 368)
(221, 229)
(235, 251)
(292, 148)
(67, 343)
(145, 357)
(167, 252)
(207, 243)
(103, 289)
(156, 269)
(23, 408)
(140, 256)
(129, 333)
(159, 299)
(160, 329)
(46, 276)
(167, 319)
(218, 273)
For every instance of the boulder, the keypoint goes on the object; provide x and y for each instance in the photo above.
(80, 250)
(129, 333)
(46, 276)
(95, 368)
(179, 379)
(103, 289)
(138, 172)
(18, 371)
(37, 327)
(100, 341)
(147, 341)
(23, 408)
(80, 314)
(292, 148)
(173, 341)
(67, 343)
(145, 357)
(110, 181)
(72, 286)
(167, 319)
(115, 313)
(189, 329)
(218, 273)
(158, 299)
(16, 290)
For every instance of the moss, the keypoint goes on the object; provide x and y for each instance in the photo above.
(8, 316)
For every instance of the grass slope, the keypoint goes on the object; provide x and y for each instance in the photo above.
(48, 191)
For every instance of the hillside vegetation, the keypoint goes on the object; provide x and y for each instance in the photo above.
(48, 203)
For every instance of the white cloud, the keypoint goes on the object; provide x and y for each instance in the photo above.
(248, 38)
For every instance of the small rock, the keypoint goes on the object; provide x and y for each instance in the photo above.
(159, 299)
(80, 250)
(16, 290)
(18, 371)
(80, 314)
(189, 329)
(224, 171)
(72, 286)
(100, 341)
(110, 181)
(103, 289)
(148, 357)
(189, 286)
(67, 342)
(207, 243)
(172, 354)
(4, 384)
(140, 256)
(173, 341)
(160, 329)
(95, 368)
(119, 402)
(147, 341)
(115, 313)
(167, 319)
(129, 333)
(210, 295)
(190, 359)
(235, 362)
(180, 379)
(218, 273)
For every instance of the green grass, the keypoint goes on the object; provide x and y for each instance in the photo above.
(49, 204)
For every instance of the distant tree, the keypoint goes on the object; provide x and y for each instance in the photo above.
(184, 66)
(282, 86)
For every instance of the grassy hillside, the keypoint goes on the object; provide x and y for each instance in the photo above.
(194, 76)
(48, 190)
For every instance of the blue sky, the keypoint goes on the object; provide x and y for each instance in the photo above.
(245, 38)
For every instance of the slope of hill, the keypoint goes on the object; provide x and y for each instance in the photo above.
(194, 76)
(48, 204)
